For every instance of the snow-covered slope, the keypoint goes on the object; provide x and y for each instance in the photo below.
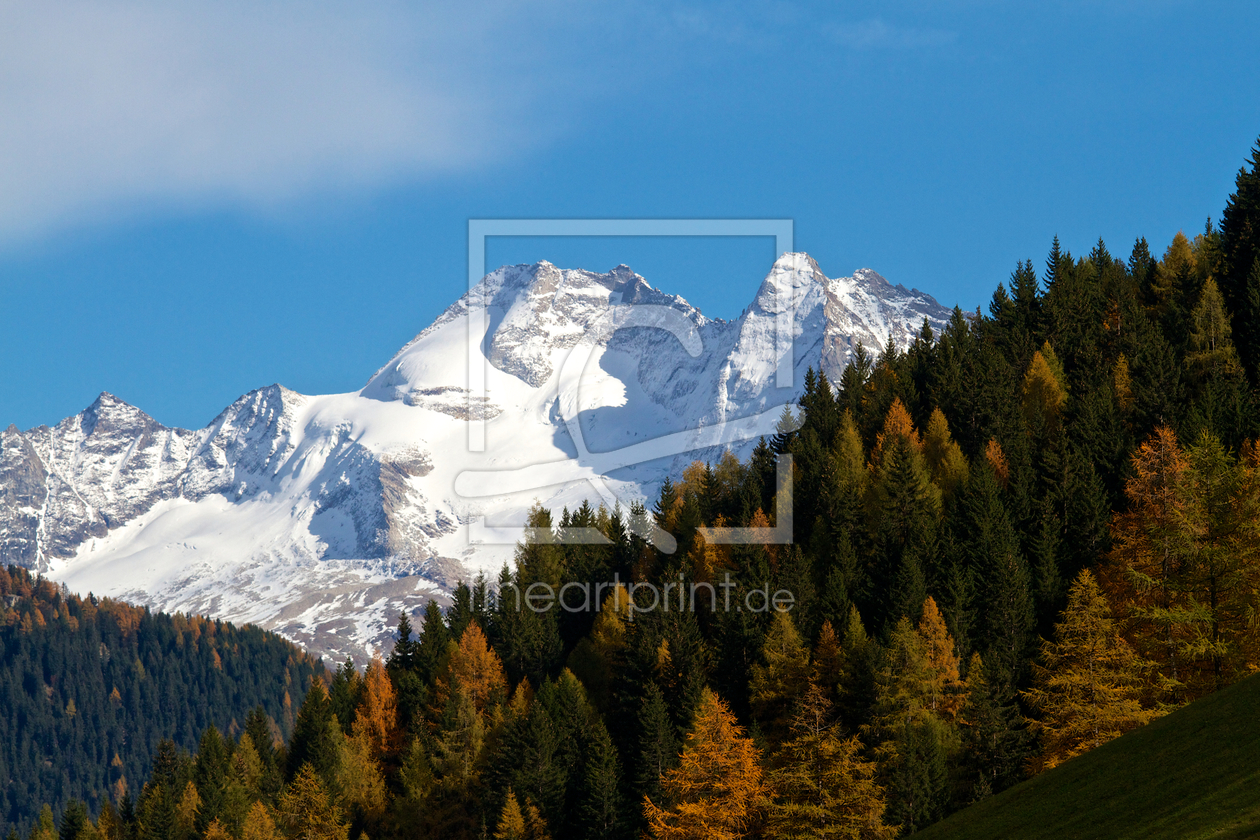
(323, 516)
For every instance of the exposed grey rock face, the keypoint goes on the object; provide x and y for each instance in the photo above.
(106, 466)
(98, 469)
(65, 486)
(23, 491)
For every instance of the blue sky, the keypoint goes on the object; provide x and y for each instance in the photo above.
(199, 199)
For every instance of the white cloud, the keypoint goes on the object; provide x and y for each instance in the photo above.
(110, 105)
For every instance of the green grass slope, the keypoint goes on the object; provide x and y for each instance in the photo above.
(1192, 774)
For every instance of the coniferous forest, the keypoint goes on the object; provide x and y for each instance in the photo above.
(91, 690)
(1013, 542)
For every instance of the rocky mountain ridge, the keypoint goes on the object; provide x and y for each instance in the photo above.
(322, 516)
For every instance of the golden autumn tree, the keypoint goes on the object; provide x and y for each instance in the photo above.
(1045, 390)
(376, 719)
(511, 825)
(1184, 571)
(996, 459)
(826, 662)
(1152, 542)
(597, 658)
(944, 456)
(898, 425)
(306, 811)
(186, 810)
(475, 670)
(46, 828)
(1172, 273)
(902, 688)
(778, 684)
(718, 790)
(1211, 352)
(1223, 581)
(945, 691)
(1123, 382)
(258, 824)
(359, 780)
(822, 788)
(1088, 689)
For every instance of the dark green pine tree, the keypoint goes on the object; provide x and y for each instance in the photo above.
(1087, 533)
(1044, 551)
(346, 691)
(1097, 431)
(949, 377)
(402, 657)
(736, 636)
(431, 646)
(258, 727)
(599, 808)
(784, 432)
(1142, 268)
(795, 574)
(540, 773)
(904, 533)
(1240, 257)
(461, 611)
(210, 774)
(313, 739)
(919, 780)
(483, 603)
(530, 643)
(861, 659)
(170, 766)
(995, 737)
(75, 822)
(657, 745)
(156, 814)
(1004, 598)
(760, 481)
(819, 411)
(573, 717)
(920, 361)
(1026, 295)
(853, 381)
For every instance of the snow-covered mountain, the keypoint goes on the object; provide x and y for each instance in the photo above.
(321, 517)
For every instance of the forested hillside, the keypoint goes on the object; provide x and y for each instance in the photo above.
(1013, 542)
(1191, 775)
(88, 689)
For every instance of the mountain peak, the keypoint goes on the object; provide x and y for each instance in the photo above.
(312, 514)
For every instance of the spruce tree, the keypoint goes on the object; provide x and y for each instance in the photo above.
(599, 805)
(346, 691)
(74, 821)
(1240, 252)
(1004, 597)
(657, 745)
(995, 736)
(918, 788)
(315, 735)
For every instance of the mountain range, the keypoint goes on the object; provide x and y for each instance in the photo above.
(322, 517)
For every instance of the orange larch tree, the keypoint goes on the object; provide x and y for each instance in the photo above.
(718, 791)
